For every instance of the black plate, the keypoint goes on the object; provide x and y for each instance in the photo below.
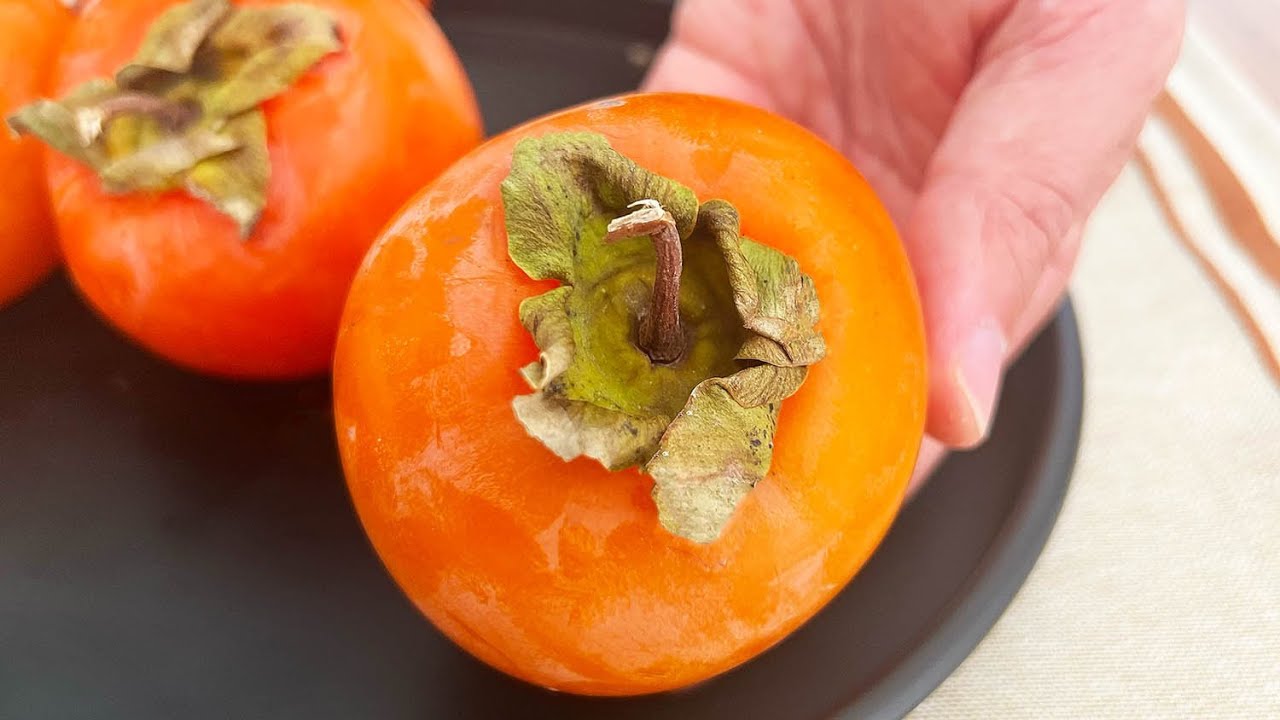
(173, 546)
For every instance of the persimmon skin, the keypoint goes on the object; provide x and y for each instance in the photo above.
(558, 573)
(31, 33)
(349, 143)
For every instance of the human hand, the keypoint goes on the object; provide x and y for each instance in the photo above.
(989, 128)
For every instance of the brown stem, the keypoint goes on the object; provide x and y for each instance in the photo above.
(660, 334)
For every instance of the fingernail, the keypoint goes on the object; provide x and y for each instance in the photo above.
(977, 372)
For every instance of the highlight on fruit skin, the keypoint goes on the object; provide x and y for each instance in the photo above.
(219, 167)
(501, 408)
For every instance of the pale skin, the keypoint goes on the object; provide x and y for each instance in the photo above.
(989, 128)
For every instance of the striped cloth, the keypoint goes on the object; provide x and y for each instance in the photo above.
(1159, 593)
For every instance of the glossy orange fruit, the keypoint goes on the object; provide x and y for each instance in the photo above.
(558, 572)
(31, 33)
(352, 140)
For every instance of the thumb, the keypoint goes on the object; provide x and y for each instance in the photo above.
(1054, 108)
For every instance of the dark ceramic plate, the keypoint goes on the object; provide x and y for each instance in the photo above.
(177, 547)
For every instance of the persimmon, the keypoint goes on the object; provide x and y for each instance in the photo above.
(631, 391)
(31, 33)
(223, 166)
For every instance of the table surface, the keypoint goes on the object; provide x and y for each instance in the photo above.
(1159, 593)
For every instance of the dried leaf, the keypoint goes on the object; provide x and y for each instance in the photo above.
(158, 165)
(560, 182)
(710, 457)
(764, 384)
(279, 45)
(236, 182)
(572, 429)
(777, 302)
(70, 127)
(172, 41)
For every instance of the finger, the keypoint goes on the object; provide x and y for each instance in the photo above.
(932, 453)
(1054, 109)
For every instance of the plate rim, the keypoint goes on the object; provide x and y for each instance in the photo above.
(1009, 560)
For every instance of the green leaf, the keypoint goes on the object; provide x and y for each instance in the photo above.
(546, 317)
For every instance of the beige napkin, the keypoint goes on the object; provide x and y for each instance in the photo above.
(1159, 593)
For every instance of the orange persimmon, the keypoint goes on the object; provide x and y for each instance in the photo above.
(237, 263)
(564, 573)
(31, 33)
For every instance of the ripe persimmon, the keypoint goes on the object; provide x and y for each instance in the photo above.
(31, 33)
(631, 391)
(224, 165)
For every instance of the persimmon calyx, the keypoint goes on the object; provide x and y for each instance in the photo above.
(702, 426)
(185, 113)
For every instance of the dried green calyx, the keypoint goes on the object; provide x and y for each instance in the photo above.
(184, 113)
(701, 425)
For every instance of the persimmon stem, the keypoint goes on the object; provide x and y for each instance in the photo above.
(660, 333)
(661, 336)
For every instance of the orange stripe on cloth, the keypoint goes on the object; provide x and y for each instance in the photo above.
(1185, 198)
(1269, 356)
(1235, 204)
